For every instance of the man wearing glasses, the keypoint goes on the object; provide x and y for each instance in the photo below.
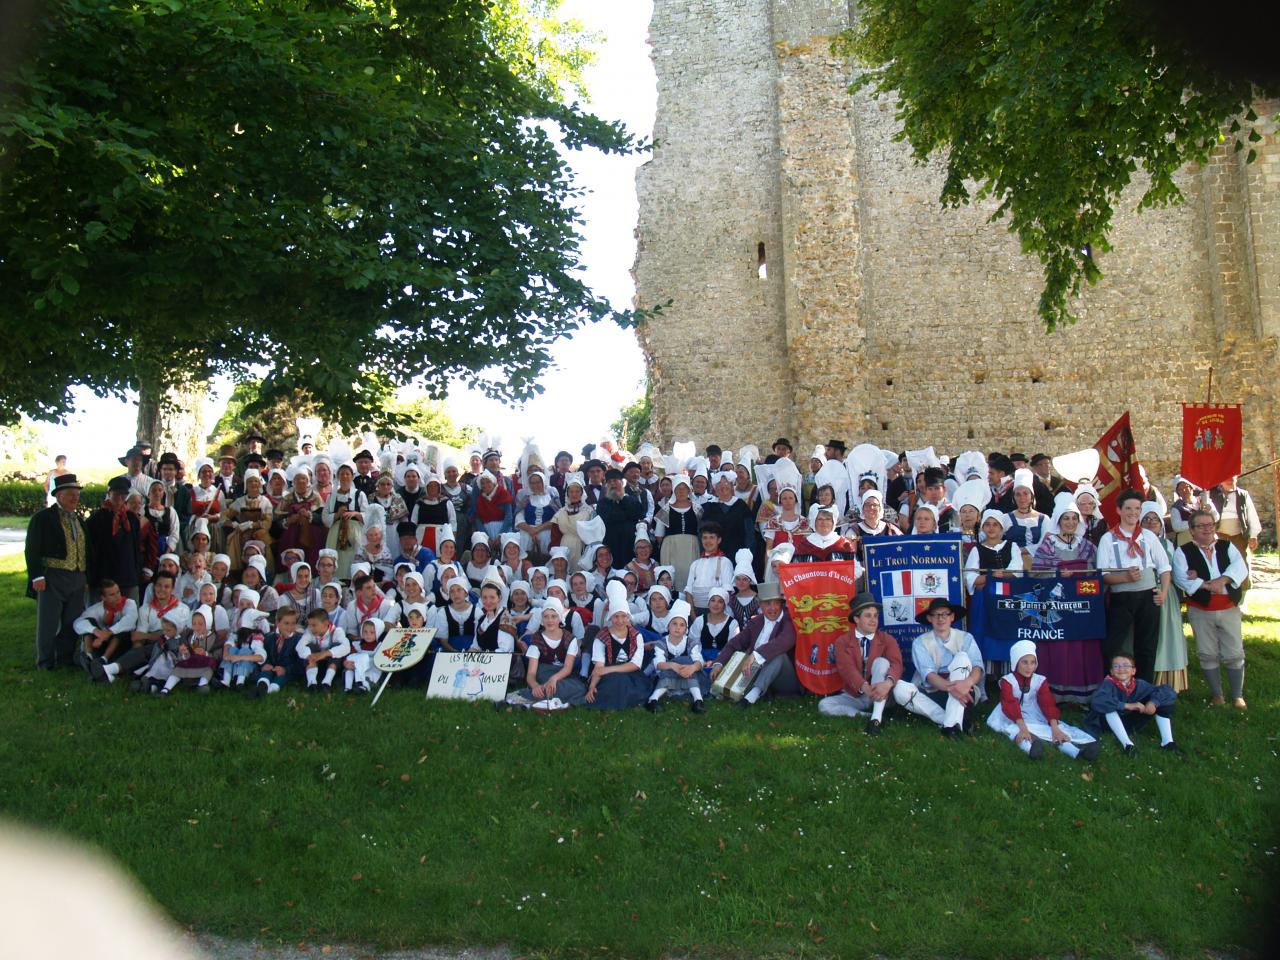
(1209, 571)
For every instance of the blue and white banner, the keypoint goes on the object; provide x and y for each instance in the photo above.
(1044, 609)
(904, 574)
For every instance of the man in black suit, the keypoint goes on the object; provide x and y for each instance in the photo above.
(57, 551)
(115, 535)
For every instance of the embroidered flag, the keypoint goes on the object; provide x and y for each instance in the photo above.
(818, 596)
(1118, 467)
(1086, 588)
(1211, 441)
(904, 574)
(1000, 587)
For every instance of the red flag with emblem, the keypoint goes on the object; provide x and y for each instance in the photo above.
(1118, 468)
(818, 597)
(1211, 442)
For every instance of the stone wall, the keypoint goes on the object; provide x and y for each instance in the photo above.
(884, 317)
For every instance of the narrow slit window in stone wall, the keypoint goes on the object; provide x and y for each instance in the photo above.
(762, 262)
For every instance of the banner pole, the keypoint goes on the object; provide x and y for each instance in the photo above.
(386, 678)
(1208, 399)
(1271, 463)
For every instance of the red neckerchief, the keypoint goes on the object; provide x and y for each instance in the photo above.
(173, 602)
(1126, 689)
(714, 553)
(119, 520)
(110, 613)
(1134, 541)
(367, 612)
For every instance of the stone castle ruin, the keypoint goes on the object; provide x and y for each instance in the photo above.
(819, 289)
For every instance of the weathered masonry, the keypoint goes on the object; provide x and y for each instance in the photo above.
(820, 290)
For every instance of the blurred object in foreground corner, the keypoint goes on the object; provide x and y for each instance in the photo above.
(60, 901)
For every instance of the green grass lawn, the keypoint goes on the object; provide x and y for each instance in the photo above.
(768, 832)
(14, 523)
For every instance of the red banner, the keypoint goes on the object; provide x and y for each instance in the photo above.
(1211, 441)
(818, 597)
(1117, 468)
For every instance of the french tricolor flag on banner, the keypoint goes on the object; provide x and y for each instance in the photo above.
(895, 583)
(1000, 588)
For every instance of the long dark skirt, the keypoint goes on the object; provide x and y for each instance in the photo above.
(618, 691)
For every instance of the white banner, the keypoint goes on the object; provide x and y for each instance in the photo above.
(470, 676)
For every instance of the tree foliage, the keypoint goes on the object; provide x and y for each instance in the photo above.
(634, 419)
(428, 419)
(351, 192)
(1050, 107)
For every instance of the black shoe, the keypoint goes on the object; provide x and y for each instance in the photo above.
(1037, 749)
(951, 733)
(873, 728)
(139, 686)
(699, 706)
(653, 706)
(97, 671)
(1131, 750)
(359, 688)
(313, 688)
(255, 690)
(1090, 751)
(1172, 747)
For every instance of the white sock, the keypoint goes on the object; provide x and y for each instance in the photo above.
(659, 693)
(312, 673)
(1070, 749)
(752, 695)
(349, 679)
(1117, 727)
(204, 682)
(170, 683)
(111, 669)
(273, 688)
(226, 676)
(1165, 726)
(328, 677)
(877, 709)
(695, 693)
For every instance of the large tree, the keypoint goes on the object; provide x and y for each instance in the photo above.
(1052, 106)
(350, 193)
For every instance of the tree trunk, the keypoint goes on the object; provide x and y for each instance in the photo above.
(172, 419)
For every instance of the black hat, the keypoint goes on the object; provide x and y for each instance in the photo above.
(255, 458)
(782, 442)
(363, 454)
(860, 603)
(66, 481)
(592, 463)
(406, 528)
(587, 448)
(613, 473)
(130, 454)
(168, 457)
(939, 603)
(837, 445)
(629, 464)
(998, 461)
(562, 453)
(1018, 456)
(255, 435)
(934, 475)
(1038, 458)
(274, 454)
(119, 485)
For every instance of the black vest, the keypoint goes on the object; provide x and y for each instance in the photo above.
(487, 637)
(1200, 566)
(686, 522)
(998, 559)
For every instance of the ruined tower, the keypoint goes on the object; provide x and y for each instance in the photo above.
(819, 290)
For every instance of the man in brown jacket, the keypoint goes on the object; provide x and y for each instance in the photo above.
(770, 639)
(870, 665)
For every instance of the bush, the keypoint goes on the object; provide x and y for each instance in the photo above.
(24, 498)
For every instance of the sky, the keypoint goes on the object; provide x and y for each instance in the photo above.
(621, 86)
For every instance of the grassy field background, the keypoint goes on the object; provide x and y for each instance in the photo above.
(767, 832)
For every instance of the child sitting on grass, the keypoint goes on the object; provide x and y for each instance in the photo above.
(1123, 703)
(678, 661)
(242, 656)
(322, 647)
(198, 654)
(1028, 713)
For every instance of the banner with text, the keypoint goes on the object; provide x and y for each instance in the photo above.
(470, 676)
(1211, 443)
(1044, 609)
(904, 574)
(818, 597)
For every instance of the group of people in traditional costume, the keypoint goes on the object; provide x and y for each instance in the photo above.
(632, 579)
